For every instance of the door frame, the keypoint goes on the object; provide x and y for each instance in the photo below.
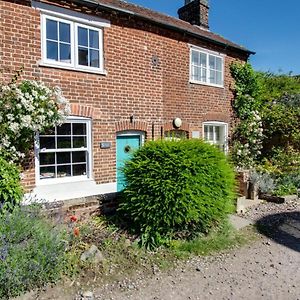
(139, 133)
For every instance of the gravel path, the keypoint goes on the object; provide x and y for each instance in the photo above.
(268, 269)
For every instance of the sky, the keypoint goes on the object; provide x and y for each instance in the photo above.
(271, 28)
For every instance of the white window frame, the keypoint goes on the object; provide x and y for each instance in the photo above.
(216, 123)
(75, 19)
(44, 42)
(207, 53)
(101, 60)
(88, 148)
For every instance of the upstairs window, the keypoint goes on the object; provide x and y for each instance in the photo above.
(216, 133)
(206, 68)
(58, 41)
(73, 45)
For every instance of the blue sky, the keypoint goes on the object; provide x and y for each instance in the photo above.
(271, 28)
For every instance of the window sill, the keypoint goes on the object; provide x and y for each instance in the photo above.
(62, 180)
(67, 191)
(207, 84)
(83, 70)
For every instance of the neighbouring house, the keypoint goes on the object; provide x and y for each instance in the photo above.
(131, 74)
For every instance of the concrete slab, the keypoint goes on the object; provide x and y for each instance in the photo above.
(238, 222)
(243, 204)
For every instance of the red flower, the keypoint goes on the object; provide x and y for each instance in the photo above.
(73, 219)
(76, 231)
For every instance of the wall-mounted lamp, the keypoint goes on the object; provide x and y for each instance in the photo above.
(131, 118)
(177, 122)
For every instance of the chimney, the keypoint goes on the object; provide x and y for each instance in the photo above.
(195, 12)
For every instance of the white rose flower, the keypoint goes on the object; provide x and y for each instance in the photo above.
(14, 127)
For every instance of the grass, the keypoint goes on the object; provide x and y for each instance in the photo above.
(222, 239)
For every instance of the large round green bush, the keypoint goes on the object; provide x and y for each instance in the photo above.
(175, 187)
(11, 191)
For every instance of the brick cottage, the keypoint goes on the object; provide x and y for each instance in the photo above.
(131, 75)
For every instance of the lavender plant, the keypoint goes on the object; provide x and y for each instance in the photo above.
(32, 251)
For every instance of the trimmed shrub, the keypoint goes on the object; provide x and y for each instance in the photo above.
(11, 191)
(32, 252)
(177, 188)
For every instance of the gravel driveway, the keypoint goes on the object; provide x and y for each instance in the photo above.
(268, 269)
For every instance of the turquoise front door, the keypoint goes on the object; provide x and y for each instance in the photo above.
(126, 144)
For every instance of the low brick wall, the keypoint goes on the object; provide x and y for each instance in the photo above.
(83, 207)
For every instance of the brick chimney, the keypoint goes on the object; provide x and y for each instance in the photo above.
(195, 12)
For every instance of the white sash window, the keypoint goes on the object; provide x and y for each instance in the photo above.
(63, 153)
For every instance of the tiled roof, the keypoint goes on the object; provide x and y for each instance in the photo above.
(168, 21)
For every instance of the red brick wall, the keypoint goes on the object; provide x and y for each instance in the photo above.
(154, 95)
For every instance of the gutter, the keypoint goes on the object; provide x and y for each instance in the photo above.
(108, 7)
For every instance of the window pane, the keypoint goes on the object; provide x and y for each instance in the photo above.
(79, 129)
(203, 75)
(82, 36)
(206, 132)
(94, 58)
(212, 76)
(203, 60)
(210, 133)
(212, 62)
(219, 78)
(219, 63)
(47, 159)
(195, 57)
(47, 142)
(79, 157)
(79, 170)
(195, 73)
(64, 32)
(63, 171)
(83, 56)
(222, 134)
(52, 50)
(79, 142)
(217, 131)
(51, 30)
(63, 142)
(49, 131)
(64, 129)
(47, 172)
(63, 157)
(65, 53)
(94, 39)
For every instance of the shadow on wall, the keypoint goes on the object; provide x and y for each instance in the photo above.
(283, 228)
